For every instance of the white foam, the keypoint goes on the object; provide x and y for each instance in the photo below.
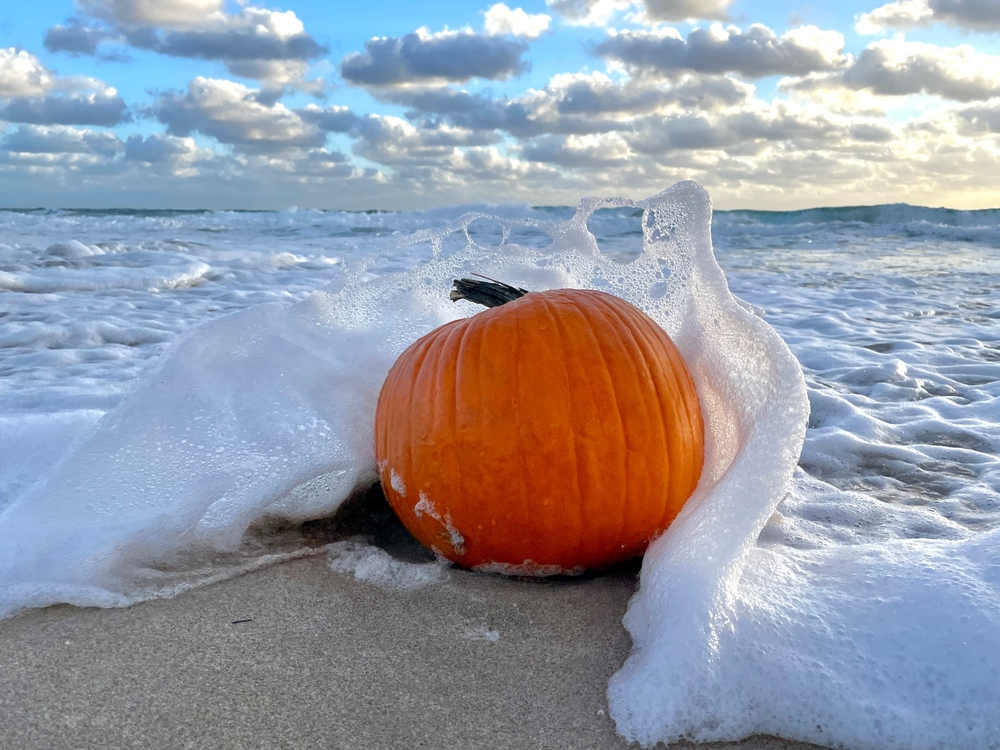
(33, 444)
(879, 644)
(375, 566)
(754, 400)
(141, 271)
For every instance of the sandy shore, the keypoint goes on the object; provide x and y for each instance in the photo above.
(326, 661)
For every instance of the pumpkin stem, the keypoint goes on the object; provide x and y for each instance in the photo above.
(488, 293)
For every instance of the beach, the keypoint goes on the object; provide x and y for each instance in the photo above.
(326, 661)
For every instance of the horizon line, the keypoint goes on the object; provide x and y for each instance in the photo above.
(538, 207)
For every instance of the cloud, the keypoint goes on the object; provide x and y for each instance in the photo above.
(975, 15)
(334, 119)
(502, 20)
(167, 155)
(31, 93)
(392, 141)
(160, 148)
(277, 74)
(426, 58)
(981, 118)
(755, 53)
(171, 14)
(599, 12)
(231, 113)
(742, 132)
(900, 68)
(588, 12)
(571, 104)
(905, 14)
(489, 165)
(579, 151)
(528, 116)
(253, 34)
(22, 74)
(101, 107)
(440, 155)
(75, 38)
(682, 10)
(58, 139)
(271, 46)
(598, 95)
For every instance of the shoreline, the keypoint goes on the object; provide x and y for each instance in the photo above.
(322, 660)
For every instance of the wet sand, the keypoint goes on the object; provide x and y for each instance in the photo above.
(322, 660)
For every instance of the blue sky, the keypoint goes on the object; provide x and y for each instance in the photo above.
(214, 103)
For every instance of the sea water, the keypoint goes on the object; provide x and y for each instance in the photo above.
(169, 379)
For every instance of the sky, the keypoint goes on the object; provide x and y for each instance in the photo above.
(390, 105)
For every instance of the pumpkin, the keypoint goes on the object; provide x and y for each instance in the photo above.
(555, 432)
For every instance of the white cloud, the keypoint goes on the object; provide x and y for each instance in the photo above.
(981, 118)
(596, 95)
(22, 74)
(488, 164)
(745, 131)
(571, 104)
(168, 154)
(682, 10)
(59, 139)
(904, 14)
(77, 38)
(31, 93)
(900, 68)
(271, 46)
(273, 72)
(159, 148)
(393, 141)
(231, 113)
(427, 58)
(335, 119)
(86, 105)
(588, 12)
(580, 151)
(255, 42)
(754, 53)
(976, 15)
(169, 14)
(502, 20)
(651, 12)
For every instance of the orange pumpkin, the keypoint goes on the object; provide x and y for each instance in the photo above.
(557, 432)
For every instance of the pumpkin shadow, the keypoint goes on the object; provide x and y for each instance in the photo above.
(368, 515)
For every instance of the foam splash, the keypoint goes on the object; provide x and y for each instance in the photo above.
(754, 400)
